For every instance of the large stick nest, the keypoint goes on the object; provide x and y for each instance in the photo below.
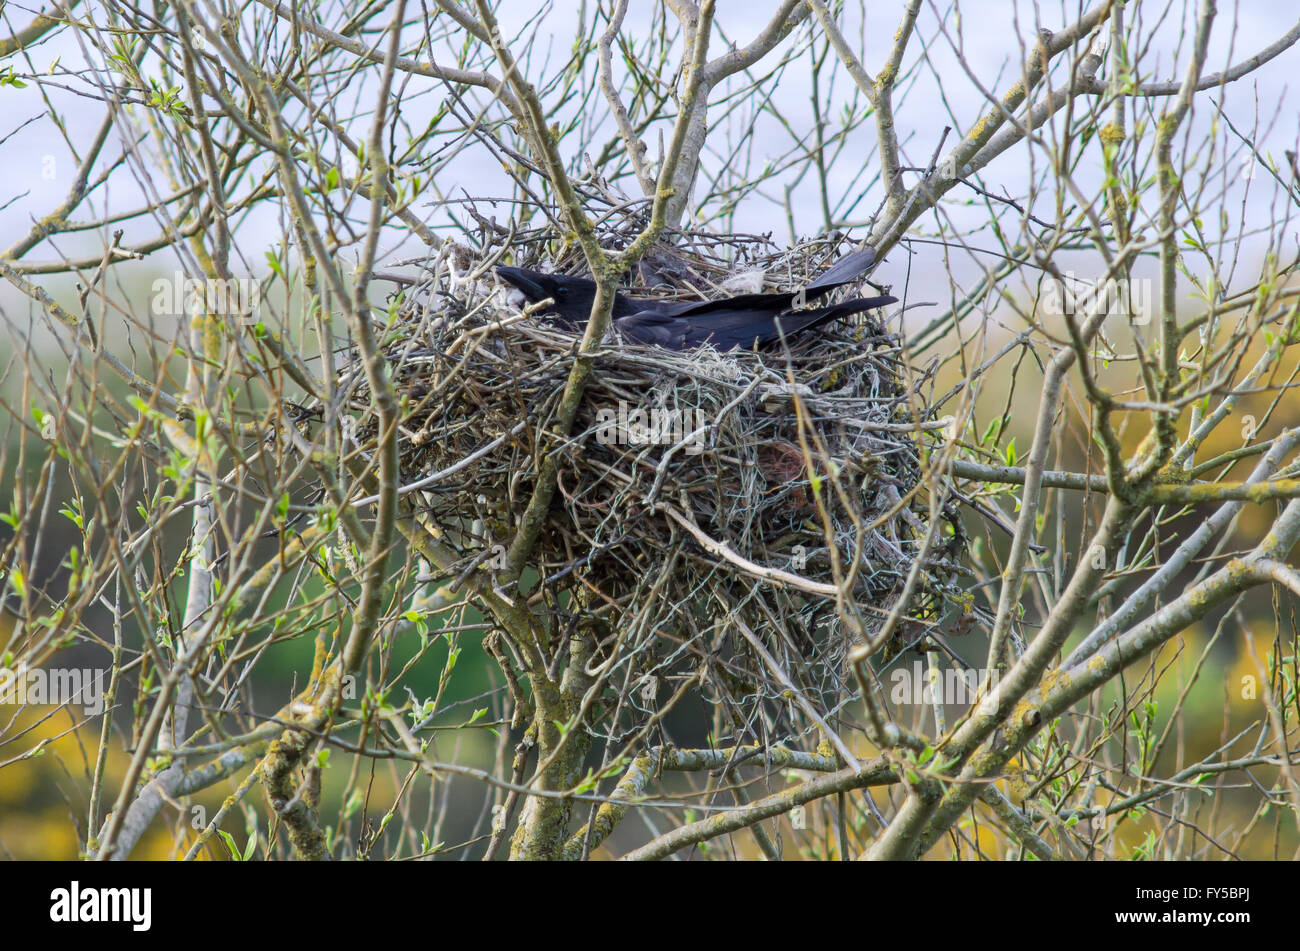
(706, 501)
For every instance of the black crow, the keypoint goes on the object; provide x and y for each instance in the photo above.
(743, 321)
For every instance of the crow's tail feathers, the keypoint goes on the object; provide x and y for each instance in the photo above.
(844, 271)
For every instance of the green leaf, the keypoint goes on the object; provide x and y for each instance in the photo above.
(229, 839)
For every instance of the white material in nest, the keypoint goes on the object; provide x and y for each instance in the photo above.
(745, 282)
(718, 366)
(784, 392)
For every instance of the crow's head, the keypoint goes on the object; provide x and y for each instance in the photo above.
(573, 296)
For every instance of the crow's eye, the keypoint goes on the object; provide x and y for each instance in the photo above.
(561, 293)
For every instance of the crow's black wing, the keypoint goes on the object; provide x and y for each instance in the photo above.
(728, 329)
(725, 329)
(755, 304)
(654, 329)
(745, 329)
(846, 270)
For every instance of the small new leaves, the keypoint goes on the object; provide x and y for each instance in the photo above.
(235, 854)
(71, 510)
(282, 509)
(9, 78)
(420, 712)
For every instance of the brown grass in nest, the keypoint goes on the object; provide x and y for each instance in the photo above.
(765, 479)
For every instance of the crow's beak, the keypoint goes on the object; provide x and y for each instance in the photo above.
(524, 282)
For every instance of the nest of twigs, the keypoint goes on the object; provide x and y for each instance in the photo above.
(707, 503)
